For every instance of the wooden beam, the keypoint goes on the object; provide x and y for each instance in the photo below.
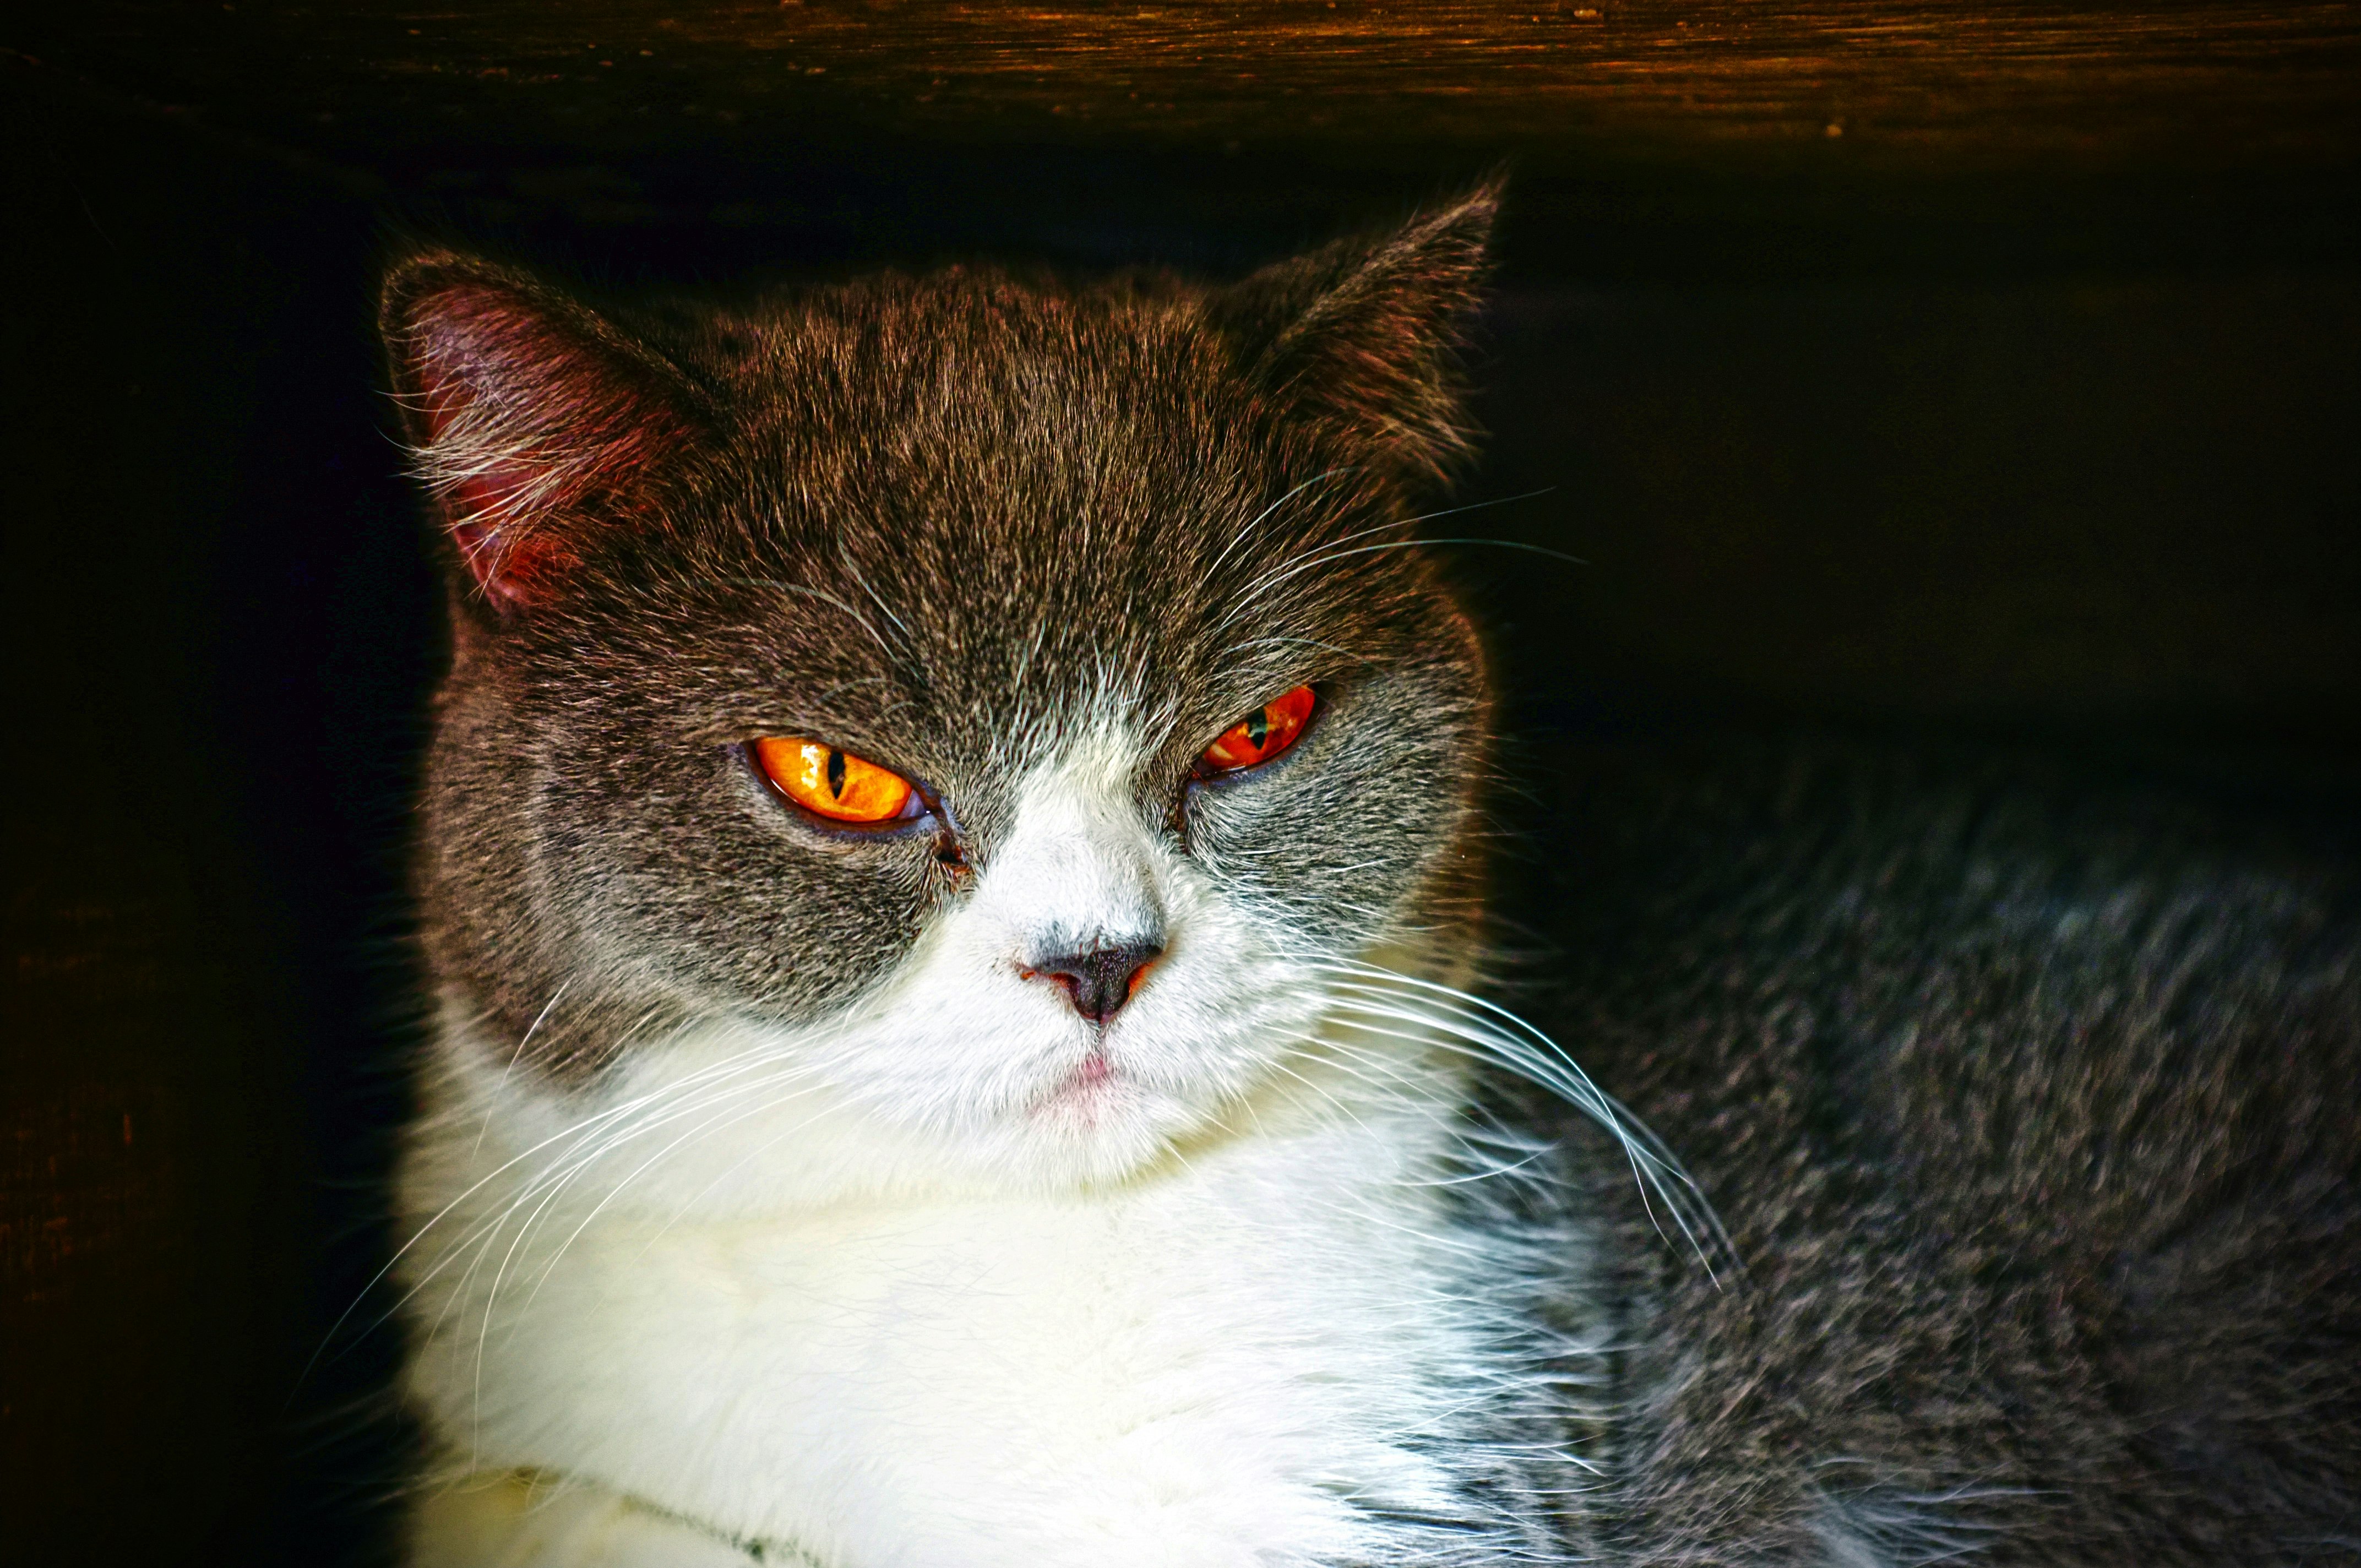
(1933, 117)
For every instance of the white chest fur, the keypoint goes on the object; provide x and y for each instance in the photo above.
(1211, 1365)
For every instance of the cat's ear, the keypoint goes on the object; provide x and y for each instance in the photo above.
(530, 418)
(1360, 337)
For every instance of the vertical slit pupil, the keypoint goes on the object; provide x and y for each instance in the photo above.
(1259, 727)
(836, 772)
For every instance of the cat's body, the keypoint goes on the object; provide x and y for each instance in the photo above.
(2029, 1102)
(1101, 1152)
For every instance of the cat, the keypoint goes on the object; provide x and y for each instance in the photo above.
(961, 869)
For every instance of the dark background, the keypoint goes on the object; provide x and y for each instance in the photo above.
(1990, 378)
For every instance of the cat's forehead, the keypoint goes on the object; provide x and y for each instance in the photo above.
(954, 402)
(994, 615)
(995, 497)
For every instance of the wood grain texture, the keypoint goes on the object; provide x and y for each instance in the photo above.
(1913, 84)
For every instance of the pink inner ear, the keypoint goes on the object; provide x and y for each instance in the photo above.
(491, 515)
(514, 567)
(558, 422)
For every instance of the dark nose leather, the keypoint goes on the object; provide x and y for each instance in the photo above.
(1101, 980)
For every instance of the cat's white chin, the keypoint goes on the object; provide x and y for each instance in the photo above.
(1100, 1124)
(734, 1120)
(1088, 1105)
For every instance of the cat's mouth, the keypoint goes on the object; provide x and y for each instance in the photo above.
(1086, 1093)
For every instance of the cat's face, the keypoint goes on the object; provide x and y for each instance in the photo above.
(944, 726)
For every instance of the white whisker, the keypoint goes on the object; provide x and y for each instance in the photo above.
(1490, 1031)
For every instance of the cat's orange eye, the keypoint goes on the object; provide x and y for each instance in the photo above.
(1262, 734)
(833, 783)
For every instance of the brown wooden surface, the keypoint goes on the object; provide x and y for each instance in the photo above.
(1910, 84)
(1697, 119)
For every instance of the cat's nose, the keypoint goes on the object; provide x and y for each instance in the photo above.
(1101, 980)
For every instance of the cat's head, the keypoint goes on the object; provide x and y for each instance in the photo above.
(952, 725)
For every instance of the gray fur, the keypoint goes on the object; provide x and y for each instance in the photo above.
(2030, 1110)
(2032, 1125)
